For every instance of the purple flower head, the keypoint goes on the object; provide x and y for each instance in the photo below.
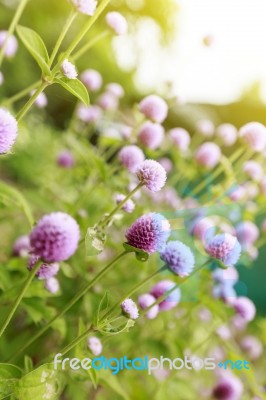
(229, 275)
(115, 89)
(205, 127)
(130, 309)
(149, 233)
(151, 135)
(89, 114)
(166, 163)
(46, 271)
(131, 156)
(154, 108)
(180, 137)
(253, 170)
(8, 131)
(107, 101)
(228, 388)
(87, 7)
(172, 300)
(252, 346)
(41, 101)
(21, 247)
(95, 345)
(245, 308)
(247, 233)
(11, 46)
(145, 301)
(69, 70)
(65, 159)
(116, 22)
(225, 247)
(152, 175)
(55, 237)
(128, 206)
(92, 79)
(227, 133)
(225, 291)
(52, 285)
(178, 257)
(208, 155)
(254, 135)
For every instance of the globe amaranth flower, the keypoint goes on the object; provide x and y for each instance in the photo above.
(8, 131)
(160, 289)
(129, 206)
(115, 89)
(254, 134)
(208, 155)
(52, 285)
(228, 387)
(152, 175)
(205, 127)
(149, 233)
(252, 346)
(178, 257)
(145, 301)
(89, 114)
(92, 79)
(154, 108)
(131, 156)
(229, 275)
(11, 45)
(245, 308)
(224, 247)
(247, 233)
(95, 345)
(227, 133)
(151, 135)
(87, 7)
(21, 247)
(130, 309)
(68, 69)
(107, 101)
(117, 22)
(225, 291)
(166, 163)
(55, 237)
(180, 138)
(46, 271)
(65, 159)
(41, 101)
(253, 170)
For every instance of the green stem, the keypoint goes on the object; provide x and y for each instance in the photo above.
(76, 341)
(29, 103)
(20, 296)
(12, 27)
(21, 94)
(89, 45)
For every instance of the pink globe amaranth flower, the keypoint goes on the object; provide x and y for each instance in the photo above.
(149, 233)
(229, 275)
(129, 206)
(11, 46)
(244, 307)
(224, 247)
(107, 101)
(227, 133)
(117, 22)
(151, 135)
(154, 108)
(253, 252)
(145, 301)
(225, 291)
(224, 332)
(178, 257)
(228, 388)
(131, 157)
(160, 289)
(95, 345)
(68, 69)
(166, 163)
(41, 101)
(87, 7)
(115, 89)
(45, 271)
(126, 131)
(89, 114)
(205, 127)
(92, 79)
(254, 134)
(203, 229)
(181, 138)
(52, 285)
(152, 175)
(55, 237)
(252, 346)
(1, 78)
(8, 131)
(21, 247)
(130, 309)
(247, 233)
(253, 170)
(208, 155)
(65, 159)
(237, 193)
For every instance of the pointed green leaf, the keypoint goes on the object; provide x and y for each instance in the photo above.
(75, 87)
(9, 375)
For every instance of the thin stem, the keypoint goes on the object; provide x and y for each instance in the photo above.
(12, 27)
(21, 94)
(90, 44)
(76, 341)
(29, 103)
(72, 302)
(20, 296)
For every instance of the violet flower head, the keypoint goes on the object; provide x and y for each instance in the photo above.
(46, 271)
(92, 79)
(224, 247)
(107, 101)
(65, 159)
(11, 46)
(180, 138)
(129, 206)
(205, 127)
(166, 163)
(145, 301)
(87, 7)
(154, 108)
(130, 309)
(8, 131)
(69, 70)
(152, 175)
(252, 346)
(115, 89)
(254, 134)
(117, 22)
(130, 157)
(245, 308)
(149, 233)
(178, 257)
(89, 114)
(253, 170)
(170, 301)
(247, 233)
(55, 237)
(227, 133)
(41, 101)
(151, 135)
(52, 285)
(228, 388)
(229, 275)
(21, 247)
(208, 155)
(95, 345)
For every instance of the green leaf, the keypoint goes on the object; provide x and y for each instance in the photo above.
(104, 303)
(141, 255)
(9, 376)
(107, 379)
(75, 87)
(36, 47)
(94, 241)
(28, 364)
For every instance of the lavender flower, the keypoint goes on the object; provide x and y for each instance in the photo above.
(253, 170)
(21, 247)
(130, 309)
(8, 131)
(247, 233)
(145, 301)
(151, 135)
(11, 46)
(41, 101)
(116, 22)
(154, 108)
(252, 346)
(69, 70)
(46, 271)
(245, 308)
(208, 155)
(130, 157)
(89, 114)
(92, 79)
(227, 133)
(52, 285)
(181, 138)
(128, 206)
(115, 89)
(107, 101)
(254, 134)
(152, 175)
(65, 159)
(160, 289)
(87, 7)
(95, 345)
(228, 388)
(178, 257)
(205, 127)
(225, 248)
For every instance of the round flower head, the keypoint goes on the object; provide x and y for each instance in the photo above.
(205, 127)
(107, 101)
(41, 101)
(227, 133)
(115, 89)
(224, 247)
(87, 7)
(69, 70)
(254, 135)
(65, 159)
(126, 131)
(145, 301)
(131, 156)
(128, 206)
(21, 247)
(116, 22)
(152, 175)
(92, 79)
(252, 346)
(166, 163)
(154, 108)
(178, 257)
(208, 155)
(89, 114)
(149, 233)
(8, 131)
(151, 135)
(160, 289)
(245, 308)
(55, 237)
(229, 275)
(228, 388)
(253, 170)
(247, 233)
(130, 309)
(181, 138)
(225, 291)
(52, 285)
(46, 271)
(95, 345)
(11, 45)
(203, 228)
(1, 78)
